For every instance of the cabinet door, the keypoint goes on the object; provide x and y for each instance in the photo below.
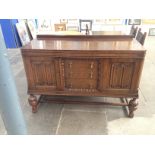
(118, 74)
(41, 73)
(121, 75)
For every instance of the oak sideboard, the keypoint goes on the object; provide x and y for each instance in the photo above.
(84, 67)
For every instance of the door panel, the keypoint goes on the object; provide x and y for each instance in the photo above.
(42, 73)
(121, 75)
(116, 74)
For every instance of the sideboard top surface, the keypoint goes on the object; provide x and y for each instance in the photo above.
(78, 45)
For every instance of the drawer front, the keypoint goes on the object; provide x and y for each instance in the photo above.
(81, 74)
(86, 69)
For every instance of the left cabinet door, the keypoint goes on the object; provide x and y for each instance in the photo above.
(41, 73)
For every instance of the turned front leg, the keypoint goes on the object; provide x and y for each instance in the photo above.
(33, 102)
(132, 107)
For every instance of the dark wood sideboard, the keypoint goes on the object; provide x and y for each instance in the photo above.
(81, 67)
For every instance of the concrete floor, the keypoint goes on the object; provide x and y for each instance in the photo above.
(67, 119)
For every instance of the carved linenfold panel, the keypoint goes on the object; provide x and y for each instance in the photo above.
(49, 74)
(121, 75)
(116, 75)
(127, 75)
(35, 68)
(62, 68)
(43, 73)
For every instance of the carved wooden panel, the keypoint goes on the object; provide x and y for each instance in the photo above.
(43, 73)
(81, 74)
(121, 75)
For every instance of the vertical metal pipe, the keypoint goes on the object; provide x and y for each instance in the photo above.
(9, 102)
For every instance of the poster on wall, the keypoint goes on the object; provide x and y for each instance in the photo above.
(134, 21)
(148, 21)
(72, 22)
(151, 32)
(63, 21)
(84, 23)
(44, 25)
(72, 28)
(32, 28)
(99, 21)
(115, 21)
(23, 33)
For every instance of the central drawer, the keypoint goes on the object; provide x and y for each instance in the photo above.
(81, 74)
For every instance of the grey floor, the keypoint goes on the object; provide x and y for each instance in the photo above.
(68, 119)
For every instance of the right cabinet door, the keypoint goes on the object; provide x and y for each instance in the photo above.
(120, 75)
